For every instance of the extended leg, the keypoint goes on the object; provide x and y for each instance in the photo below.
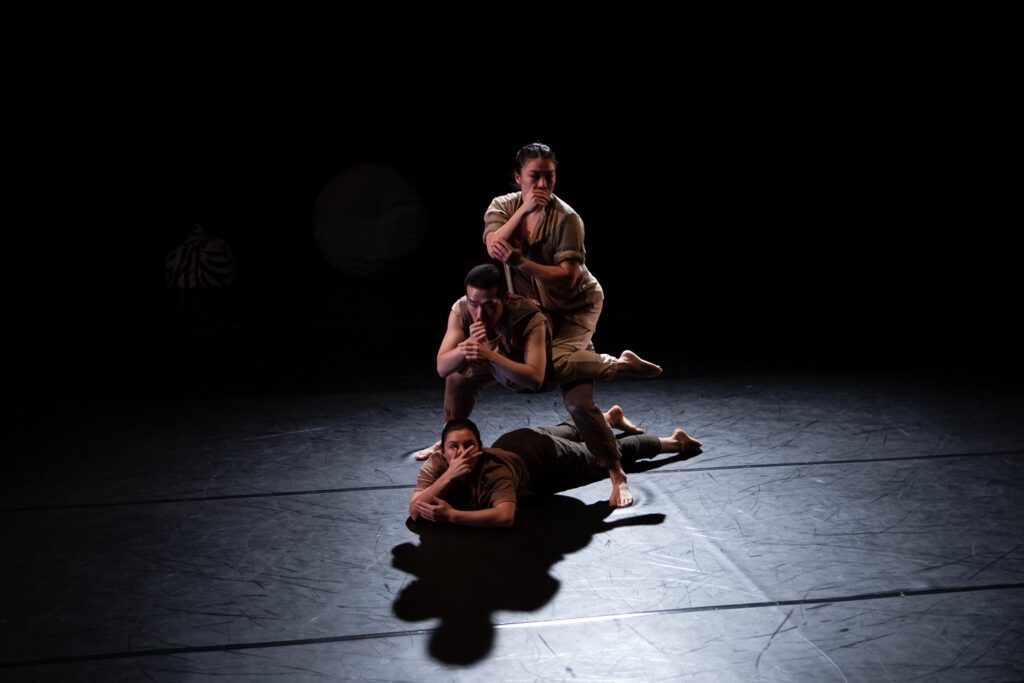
(639, 447)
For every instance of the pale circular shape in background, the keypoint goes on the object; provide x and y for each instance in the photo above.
(367, 218)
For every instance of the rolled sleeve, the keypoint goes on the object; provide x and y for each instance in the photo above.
(570, 240)
(498, 213)
(568, 256)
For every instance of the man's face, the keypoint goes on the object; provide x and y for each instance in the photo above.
(459, 441)
(485, 306)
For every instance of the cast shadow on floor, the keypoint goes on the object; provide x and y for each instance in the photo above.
(647, 465)
(465, 575)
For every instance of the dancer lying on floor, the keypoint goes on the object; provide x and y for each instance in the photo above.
(466, 485)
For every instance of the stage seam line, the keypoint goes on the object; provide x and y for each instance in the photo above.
(523, 624)
(355, 489)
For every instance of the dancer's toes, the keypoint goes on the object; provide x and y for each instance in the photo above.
(622, 495)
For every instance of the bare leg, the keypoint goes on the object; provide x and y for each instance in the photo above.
(642, 447)
(632, 365)
(622, 495)
(616, 419)
(679, 442)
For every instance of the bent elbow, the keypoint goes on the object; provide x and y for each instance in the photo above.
(443, 370)
(507, 520)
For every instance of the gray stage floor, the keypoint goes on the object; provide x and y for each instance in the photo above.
(835, 528)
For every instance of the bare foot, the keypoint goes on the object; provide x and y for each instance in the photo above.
(633, 365)
(622, 495)
(686, 442)
(616, 419)
(428, 451)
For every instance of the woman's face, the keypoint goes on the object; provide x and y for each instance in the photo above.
(459, 441)
(537, 173)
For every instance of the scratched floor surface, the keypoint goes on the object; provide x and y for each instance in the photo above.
(835, 528)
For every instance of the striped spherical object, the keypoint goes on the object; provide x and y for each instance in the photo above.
(200, 262)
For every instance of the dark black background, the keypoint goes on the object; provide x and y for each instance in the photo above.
(744, 220)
